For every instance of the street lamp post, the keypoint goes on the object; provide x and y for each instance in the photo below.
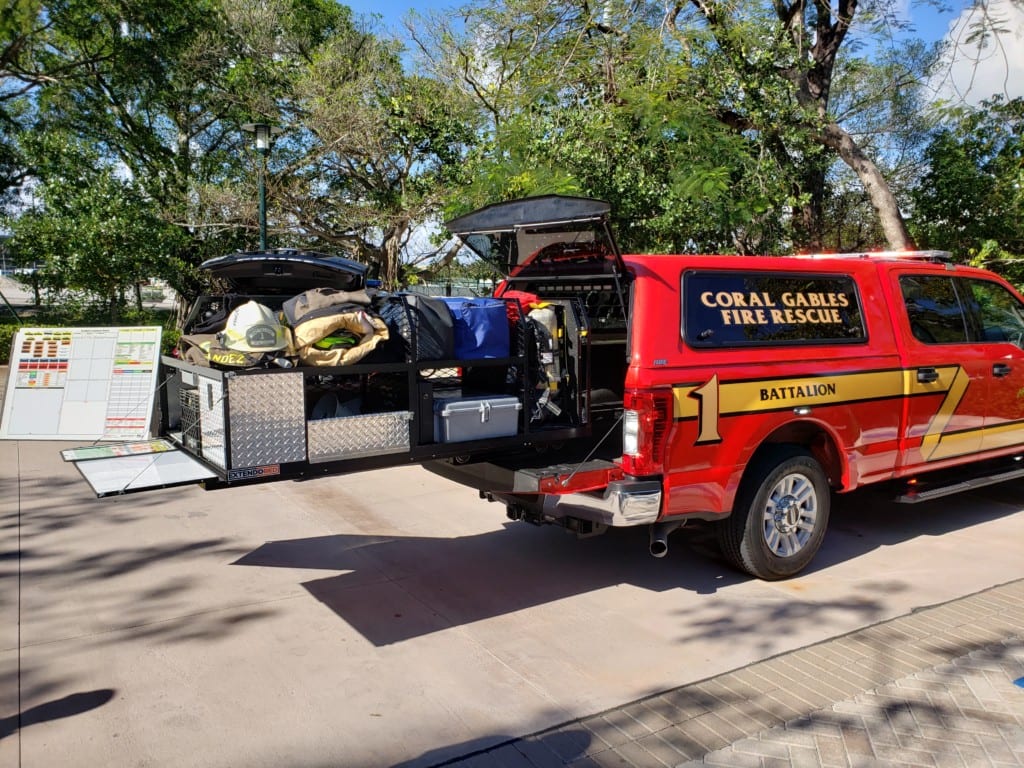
(262, 133)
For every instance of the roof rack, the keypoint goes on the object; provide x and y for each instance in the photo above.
(936, 256)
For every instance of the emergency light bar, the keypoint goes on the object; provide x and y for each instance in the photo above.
(935, 256)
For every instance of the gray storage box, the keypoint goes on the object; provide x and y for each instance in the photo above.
(475, 418)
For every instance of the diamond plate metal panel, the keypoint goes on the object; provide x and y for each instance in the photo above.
(352, 437)
(268, 419)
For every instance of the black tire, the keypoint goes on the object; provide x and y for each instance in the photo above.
(780, 516)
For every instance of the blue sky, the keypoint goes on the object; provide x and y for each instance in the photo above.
(392, 11)
(930, 24)
(972, 75)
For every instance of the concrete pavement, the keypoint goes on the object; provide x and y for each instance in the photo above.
(392, 618)
(943, 686)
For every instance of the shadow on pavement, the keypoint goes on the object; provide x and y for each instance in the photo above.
(895, 717)
(68, 706)
(564, 745)
(397, 588)
(393, 588)
(868, 519)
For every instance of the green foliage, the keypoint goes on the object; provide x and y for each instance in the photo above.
(702, 124)
(7, 333)
(168, 337)
(973, 191)
(93, 234)
(381, 148)
(1001, 261)
(578, 111)
(17, 18)
(160, 91)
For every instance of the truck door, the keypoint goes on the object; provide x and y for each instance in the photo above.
(946, 374)
(999, 318)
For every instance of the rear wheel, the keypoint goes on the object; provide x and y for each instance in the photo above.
(780, 515)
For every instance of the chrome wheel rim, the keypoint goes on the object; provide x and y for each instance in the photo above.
(789, 515)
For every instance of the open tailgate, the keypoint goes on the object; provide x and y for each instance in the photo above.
(143, 465)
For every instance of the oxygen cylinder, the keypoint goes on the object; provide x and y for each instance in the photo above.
(548, 334)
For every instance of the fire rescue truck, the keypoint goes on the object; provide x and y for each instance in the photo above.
(636, 390)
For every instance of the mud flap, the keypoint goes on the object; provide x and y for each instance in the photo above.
(144, 465)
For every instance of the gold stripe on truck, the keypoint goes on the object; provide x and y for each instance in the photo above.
(933, 437)
(756, 396)
(710, 401)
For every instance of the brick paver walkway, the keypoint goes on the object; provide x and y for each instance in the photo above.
(943, 686)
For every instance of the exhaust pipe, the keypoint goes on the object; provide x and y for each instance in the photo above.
(659, 537)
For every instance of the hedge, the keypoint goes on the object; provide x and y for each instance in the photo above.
(169, 339)
(6, 339)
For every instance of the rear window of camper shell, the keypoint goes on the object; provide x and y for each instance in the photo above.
(732, 309)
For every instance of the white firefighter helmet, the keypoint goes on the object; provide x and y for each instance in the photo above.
(253, 327)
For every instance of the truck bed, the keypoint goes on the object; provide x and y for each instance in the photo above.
(250, 425)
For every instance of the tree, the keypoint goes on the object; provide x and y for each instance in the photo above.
(878, 100)
(732, 105)
(22, 36)
(973, 190)
(377, 151)
(794, 56)
(567, 106)
(92, 232)
(134, 81)
(164, 90)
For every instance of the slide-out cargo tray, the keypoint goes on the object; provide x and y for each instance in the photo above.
(131, 467)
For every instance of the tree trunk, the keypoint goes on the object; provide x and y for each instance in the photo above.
(809, 218)
(391, 271)
(881, 196)
(389, 268)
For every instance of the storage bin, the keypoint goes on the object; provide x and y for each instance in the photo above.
(431, 322)
(475, 418)
(480, 326)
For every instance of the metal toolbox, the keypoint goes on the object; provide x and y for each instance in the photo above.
(458, 419)
(255, 419)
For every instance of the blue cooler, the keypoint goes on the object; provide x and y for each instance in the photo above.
(481, 327)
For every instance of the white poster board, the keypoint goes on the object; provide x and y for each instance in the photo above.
(81, 384)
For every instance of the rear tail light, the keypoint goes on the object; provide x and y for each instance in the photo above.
(645, 426)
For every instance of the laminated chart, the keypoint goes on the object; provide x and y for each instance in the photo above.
(81, 384)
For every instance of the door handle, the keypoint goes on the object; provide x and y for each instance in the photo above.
(927, 375)
(1001, 369)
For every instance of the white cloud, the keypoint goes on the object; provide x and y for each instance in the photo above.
(979, 66)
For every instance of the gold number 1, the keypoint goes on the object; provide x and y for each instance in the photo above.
(707, 418)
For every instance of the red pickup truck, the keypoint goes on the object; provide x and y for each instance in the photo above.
(751, 388)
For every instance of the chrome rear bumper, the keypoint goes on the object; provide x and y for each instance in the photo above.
(622, 503)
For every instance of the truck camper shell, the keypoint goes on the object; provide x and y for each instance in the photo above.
(552, 235)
